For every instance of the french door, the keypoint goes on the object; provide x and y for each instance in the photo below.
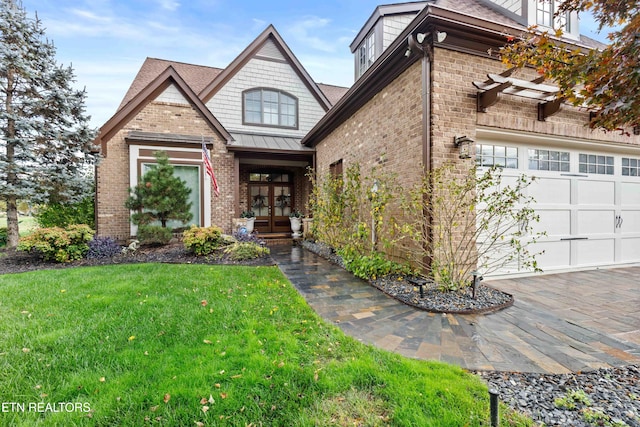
(271, 202)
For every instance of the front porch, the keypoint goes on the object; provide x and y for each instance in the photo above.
(272, 182)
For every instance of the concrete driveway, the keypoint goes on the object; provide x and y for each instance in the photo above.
(559, 323)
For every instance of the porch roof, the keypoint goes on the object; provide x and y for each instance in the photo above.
(253, 142)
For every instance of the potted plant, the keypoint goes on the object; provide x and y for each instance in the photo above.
(295, 217)
(250, 218)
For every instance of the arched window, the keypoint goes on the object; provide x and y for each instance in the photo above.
(270, 107)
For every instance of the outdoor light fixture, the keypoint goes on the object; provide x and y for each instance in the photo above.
(463, 143)
(440, 36)
(420, 37)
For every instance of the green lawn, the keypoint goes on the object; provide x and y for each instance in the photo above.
(25, 223)
(189, 345)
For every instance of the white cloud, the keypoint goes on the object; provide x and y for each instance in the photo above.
(170, 5)
(309, 31)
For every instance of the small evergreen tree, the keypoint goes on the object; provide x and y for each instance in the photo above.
(45, 142)
(160, 196)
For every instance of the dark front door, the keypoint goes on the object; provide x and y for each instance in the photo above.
(271, 202)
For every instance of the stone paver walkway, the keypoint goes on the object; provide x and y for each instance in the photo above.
(559, 323)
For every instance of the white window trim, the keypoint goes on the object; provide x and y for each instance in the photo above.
(134, 156)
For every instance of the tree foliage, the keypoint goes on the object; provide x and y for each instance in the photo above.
(606, 81)
(478, 222)
(46, 143)
(160, 196)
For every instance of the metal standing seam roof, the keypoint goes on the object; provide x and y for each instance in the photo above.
(267, 142)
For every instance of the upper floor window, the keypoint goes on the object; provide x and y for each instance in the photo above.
(366, 53)
(545, 9)
(270, 107)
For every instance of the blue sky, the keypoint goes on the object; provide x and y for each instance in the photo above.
(106, 41)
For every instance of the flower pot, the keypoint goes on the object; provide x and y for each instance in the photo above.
(296, 226)
(249, 225)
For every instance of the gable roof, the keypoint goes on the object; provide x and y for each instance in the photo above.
(332, 92)
(147, 94)
(196, 76)
(250, 51)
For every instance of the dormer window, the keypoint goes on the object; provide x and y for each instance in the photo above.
(270, 107)
(366, 53)
(545, 9)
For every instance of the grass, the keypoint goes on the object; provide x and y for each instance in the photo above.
(191, 345)
(26, 224)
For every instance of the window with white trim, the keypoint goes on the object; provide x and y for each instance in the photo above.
(545, 10)
(190, 174)
(591, 163)
(496, 155)
(270, 107)
(366, 53)
(630, 167)
(549, 160)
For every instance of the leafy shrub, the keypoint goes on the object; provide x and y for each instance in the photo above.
(61, 215)
(248, 237)
(246, 250)
(154, 235)
(370, 266)
(58, 244)
(202, 240)
(3, 236)
(103, 247)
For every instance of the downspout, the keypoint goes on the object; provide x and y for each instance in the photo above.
(427, 143)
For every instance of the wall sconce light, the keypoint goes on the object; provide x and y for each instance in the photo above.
(463, 143)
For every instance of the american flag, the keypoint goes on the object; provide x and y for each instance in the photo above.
(207, 166)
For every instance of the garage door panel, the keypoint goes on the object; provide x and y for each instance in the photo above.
(556, 254)
(630, 221)
(630, 249)
(551, 190)
(553, 222)
(592, 192)
(630, 193)
(595, 251)
(592, 222)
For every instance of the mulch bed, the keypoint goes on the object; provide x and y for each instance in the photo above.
(174, 253)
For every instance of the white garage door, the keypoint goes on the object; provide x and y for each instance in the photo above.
(588, 201)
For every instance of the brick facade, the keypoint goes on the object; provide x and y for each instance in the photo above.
(113, 171)
(387, 131)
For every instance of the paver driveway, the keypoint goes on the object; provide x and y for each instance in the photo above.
(559, 323)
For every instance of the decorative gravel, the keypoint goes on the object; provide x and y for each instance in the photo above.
(613, 396)
(487, 298)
